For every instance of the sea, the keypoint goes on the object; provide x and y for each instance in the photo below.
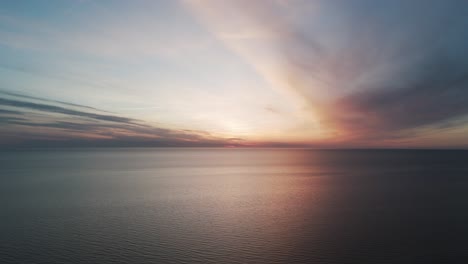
(233, 205)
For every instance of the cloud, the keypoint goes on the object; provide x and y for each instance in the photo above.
(8, 119)
(369, 70)
(47, 100)
(3, 111)
(30, 124)
(417, 77)
(65, 111)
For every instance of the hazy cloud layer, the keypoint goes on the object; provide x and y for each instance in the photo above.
(371, 70)
(344, 73)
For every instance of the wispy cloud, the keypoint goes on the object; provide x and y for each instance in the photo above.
(37, 124)
(369, 70)
(3, 111)
(62, 110)
(48, 100)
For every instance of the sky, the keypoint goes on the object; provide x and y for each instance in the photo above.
(227, 73)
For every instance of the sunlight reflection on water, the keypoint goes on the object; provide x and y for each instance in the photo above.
(232, 206)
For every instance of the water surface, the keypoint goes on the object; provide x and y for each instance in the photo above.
(233, 206)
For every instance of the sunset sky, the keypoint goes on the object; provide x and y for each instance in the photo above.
(299, 73)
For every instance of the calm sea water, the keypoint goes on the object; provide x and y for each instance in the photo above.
(233, 206)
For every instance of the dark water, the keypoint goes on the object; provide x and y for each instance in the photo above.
(233, 206)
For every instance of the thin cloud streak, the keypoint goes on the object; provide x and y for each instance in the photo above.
(88, 129)
(48, 100)
(62, 110)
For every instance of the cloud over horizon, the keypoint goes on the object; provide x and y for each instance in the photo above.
(325, 74)
(42, 124)
(372, 70)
